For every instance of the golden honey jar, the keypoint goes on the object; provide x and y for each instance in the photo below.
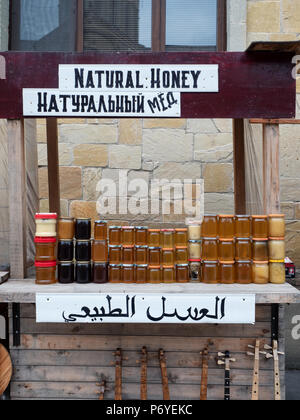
(210, 273)
(243, 249)
(210, 249)
(277, 249)
(242, 226)
(209, 227)
(226, 226)
(277, 272)
(260, 227)
(227, 272)
(243, 272)
(276, 225)
(226, 250)
(260, 272)
(168, 274)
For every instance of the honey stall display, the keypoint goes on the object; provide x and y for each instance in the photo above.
(100, 230)
(226, 250)
(100, 272)
(210, 273)
(243, 272)
(99, 251)
(226, 226)
(65, 272)
(209, 226)
(277, 249)
(46, 224)
(45, 272)
(168, 274)
(277, 272)
(242, 226)
(276, 225)
(83, 229)
(128, 235)
(260, 227)
(66, 228)
(210, 250)
(83, 272)
(182, 273)
(140, 273)
(226, 272)
(260, 272)
(114, 235)
(83, 250)
(45, 249)
(243, 249)
(141, 233)
(260, 249)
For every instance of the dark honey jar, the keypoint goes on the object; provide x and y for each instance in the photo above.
(100, 272)
(45, 249)
(65, 272)
(83, 229)
(83, 251)
(100, 230)
(141, 235)
(83, 272)
(65, 250)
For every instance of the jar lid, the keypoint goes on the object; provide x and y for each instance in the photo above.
(226, 239)
(166, 249)
(141, 227)
(83, 262)
(276, 215)
(115, 227)
(226, 262)
(155, 247)
(243, 239)
(260, 262)
(128, 265)
(181, 230)
(209, 262)
(244, 262)
(259, 216)
(101, 221)
(153, 230)
(181, 247)
(168, 266)
(141, 246)
(83, 218)
(115, 265)
(276, 261)
(45, 264)
(210, 215)
(260, 239)
(46, 216)
(127, 227)
(167, 230)
(277, 238)
(242, 215)
(67, 218)
(198, 240)
(194, 260)
(84, 240)
(115, 246)
(128, 246)
(226, 215)
(182, 265)
(65, 262)
(154, 266)
(44, 240)
(142, 265)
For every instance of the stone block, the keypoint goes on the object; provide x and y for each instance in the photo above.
(218, 177)
(291, 16)
(70, 182)
(125, 157)
(91, 155)
(90, 179)
(130, 131)
(263, 16)
(88, 133)
(213, 147)
(164, 123)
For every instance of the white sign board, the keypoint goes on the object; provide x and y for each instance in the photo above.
(120, 90)
(145, 308)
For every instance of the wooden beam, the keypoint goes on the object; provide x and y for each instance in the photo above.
(239, 166)
(271, 175)
(53, 165)
(222, 25)
(273, 121)
(17, 199)
(158, 25)
(79, 47)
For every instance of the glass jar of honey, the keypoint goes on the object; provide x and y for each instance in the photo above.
(194, 250)
(141, 233)
(114, 234)
(260, 251)
(243, 272)
(168, 274)
(100, 273)
(260, 227)
(182, 273)
(167, 238)
(66, 228)
(141, 255)
(100, 251)
(83, 272)
(181, 237)
(128, 273)
(141, 273)
(100, 230)
(65, 272)
(168, 256)
(209, 228)
(227, 272)
(194, 231)
(154, 274)
(277, 272)
(115, 254)
(182, 255)
(45, 272)
(195, 271)
(260, 272)
(243, 249)
(226, 226)
(276, 225)
(226, 250)
(65, 251)
(153, 237)
(210, 271)
(83, 229)
(210, 249)
(154, 255)
(83, 250)
(277, 249)
(115, 273)
(242, 226)
(128, 255)
(45, 249)
(46, 224)
(128, 235)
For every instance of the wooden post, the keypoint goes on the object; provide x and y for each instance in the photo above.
(239, 166)
(17, 199)
(53, 165)
(271, 175)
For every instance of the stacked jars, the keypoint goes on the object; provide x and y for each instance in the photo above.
(45, 242)
(226, 248)
(276, 231)
(154, 272)
(194, 247)
(141, 255)
(209, 232)
(66, 250)
(100, 252)
(260, 253)
(243, 249)
(83, 251)
(121, 254)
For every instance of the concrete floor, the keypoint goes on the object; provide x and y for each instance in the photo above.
(292, 385)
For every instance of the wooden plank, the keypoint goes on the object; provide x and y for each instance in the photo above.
(239, 166)
(271, 174)
(79, 27)
(53, 165)
(4, 275)
(275, 46)
(273, 121)
(222, 25)
(17, 199)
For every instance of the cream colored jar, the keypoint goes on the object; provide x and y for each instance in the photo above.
(276, 225)
(277, 272)
(194, 232)
(277, 249)
(260, 272)
(194, 249)
(45, 224)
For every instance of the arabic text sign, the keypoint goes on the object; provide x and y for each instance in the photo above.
(145, 308)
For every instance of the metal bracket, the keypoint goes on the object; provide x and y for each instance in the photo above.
(16, 324)
(274, 322)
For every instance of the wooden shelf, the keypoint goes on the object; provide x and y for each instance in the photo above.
(24, 291)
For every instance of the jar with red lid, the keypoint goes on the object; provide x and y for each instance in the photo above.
(45, 272)
(45, 249)
(46, 224)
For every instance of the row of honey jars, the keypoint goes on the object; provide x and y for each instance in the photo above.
(147, 255)
(144, 273)
(82, 272)
(45, 244)
(84, 250)
(70, 228)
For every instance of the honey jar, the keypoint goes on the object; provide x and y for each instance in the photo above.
(182, 255)
(141, 235)
(182, 273)
(226, 226)
(115, 254)
(154, 274)
(168, 274)
(65, 251)
(128, 235)
(260, 227)
(243, 272)
(153, 237)
(100, 251)
(276, 226)
(210, 249)
(115, 273)
(128, 255)
(141, 255)
(83, 229)
(45, 249)
(83, 251)
(260, 272)
(114, 234)
(83, 272)
(242, 226)
(210, 272)
(227, 272)
(277, 272)
(128, 273)
(141, 273)
(168, 256)
(45, 272)
(194, 231)
(100, 230)
(277, 249)
(46, 224)
(209, 228)
(243, 249)
(226, 250)
(181, 237)
(154, 256)
(65, 272)
(66, 228)
(260, 251)
(167, 238)
(194, 250)
(100, 273)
